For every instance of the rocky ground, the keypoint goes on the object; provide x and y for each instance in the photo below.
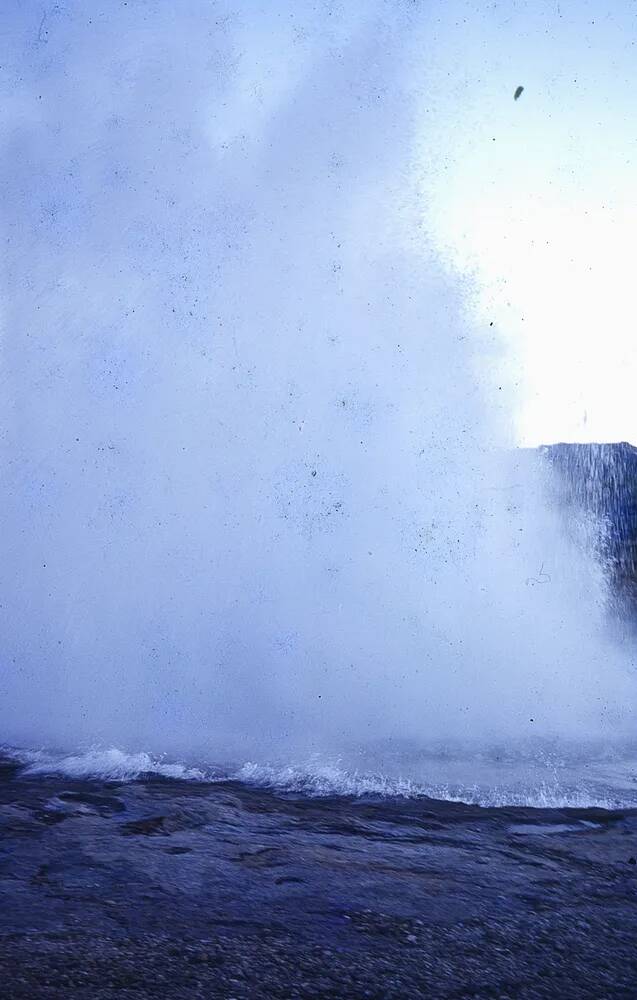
(160, 889)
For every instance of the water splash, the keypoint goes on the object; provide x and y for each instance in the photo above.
(570, 781)
(595, 489)
(255, 497)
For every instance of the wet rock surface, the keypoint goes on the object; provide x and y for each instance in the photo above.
(600, 480)
(193, 890)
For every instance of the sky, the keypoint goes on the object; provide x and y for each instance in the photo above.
(535, 200)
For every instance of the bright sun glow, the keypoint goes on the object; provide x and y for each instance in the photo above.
(536, 200)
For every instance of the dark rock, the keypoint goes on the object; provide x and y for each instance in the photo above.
(152, 826)
(281, 896)
(600, 481)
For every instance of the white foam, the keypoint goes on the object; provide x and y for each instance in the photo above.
(323, 779)
(110, 764)
(326, 780)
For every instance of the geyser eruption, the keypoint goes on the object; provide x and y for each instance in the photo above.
(256, 498)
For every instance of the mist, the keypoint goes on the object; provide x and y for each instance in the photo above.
(259, 490)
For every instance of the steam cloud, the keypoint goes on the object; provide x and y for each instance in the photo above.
(253, 498)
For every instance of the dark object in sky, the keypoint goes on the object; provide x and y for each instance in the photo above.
(518, 91)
